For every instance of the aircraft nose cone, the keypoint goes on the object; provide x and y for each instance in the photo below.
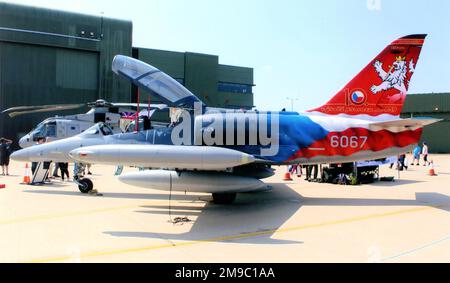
(25, 141)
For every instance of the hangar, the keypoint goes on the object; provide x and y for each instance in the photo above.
(56, 57)
(434, 105)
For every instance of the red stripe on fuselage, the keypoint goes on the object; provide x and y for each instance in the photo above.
(353, 140)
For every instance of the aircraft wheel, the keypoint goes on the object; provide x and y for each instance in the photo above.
(226, 198)
(85, 186)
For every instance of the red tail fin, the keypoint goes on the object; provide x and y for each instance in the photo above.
(381, 87)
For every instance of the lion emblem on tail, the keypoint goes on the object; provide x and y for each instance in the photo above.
(395, 77)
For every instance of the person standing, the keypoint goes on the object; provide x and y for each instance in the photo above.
(64, 167)
(296, 170)
(425, 153)
(5, 152)
(309, 172)
(88, 167)
(402, 162)
(416, 155)
(55, 170)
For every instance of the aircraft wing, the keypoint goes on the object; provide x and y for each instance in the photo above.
(403, 124)
(153, 80)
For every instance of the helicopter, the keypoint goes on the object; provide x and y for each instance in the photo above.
(116, 115)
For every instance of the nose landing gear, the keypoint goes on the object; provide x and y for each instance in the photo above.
(85, 185)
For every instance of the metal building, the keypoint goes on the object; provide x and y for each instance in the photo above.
(216, 85)
(55, 57)
(434, 105)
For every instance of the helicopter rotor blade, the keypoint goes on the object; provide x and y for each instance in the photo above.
(134, 106)
(23, 110)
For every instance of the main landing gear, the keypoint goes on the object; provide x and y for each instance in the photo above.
(224, 198)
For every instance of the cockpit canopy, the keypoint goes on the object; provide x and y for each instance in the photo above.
(44, 130)
(155, 81)
(100, 129)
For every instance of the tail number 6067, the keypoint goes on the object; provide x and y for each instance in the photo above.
(346, 142)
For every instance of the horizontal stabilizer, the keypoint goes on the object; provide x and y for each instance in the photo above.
(403, 124)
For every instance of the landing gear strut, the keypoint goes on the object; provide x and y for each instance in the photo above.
(84, 185)
(225, 198)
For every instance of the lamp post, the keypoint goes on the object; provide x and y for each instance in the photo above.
(292, 100)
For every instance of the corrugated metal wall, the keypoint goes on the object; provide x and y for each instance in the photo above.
(55, 57)
(429, 102)
(39, 75)
(433, 106)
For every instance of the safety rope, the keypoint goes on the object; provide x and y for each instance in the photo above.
(177, 220)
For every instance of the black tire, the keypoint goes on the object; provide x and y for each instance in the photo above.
(85, 186)
(227, 198)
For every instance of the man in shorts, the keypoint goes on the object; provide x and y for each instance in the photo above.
(5, 152)
(425, 153)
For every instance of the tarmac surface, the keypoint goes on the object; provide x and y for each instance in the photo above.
(404, 221)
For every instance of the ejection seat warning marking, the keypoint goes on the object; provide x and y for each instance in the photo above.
(316, 149)
(242, 236)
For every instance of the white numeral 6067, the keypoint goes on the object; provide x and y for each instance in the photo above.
(346, 142)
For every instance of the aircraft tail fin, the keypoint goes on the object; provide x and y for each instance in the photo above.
(381, 87)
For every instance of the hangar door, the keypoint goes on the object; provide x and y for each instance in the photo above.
(41, 75)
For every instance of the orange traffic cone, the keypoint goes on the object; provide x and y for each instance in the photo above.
(26, 177)
(432, 171)
(287, 176)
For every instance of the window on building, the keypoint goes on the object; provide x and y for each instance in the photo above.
(235, 88)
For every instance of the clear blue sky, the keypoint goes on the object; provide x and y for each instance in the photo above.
(303, 49)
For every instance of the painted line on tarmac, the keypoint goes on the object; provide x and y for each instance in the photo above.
(240, 236)
(419, 249)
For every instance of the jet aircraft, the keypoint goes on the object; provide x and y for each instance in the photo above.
(225, 152)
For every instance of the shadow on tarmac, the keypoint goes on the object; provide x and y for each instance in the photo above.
(118, 195)
(251, 213)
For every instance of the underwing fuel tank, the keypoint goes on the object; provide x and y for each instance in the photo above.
(163, 156)
(193, 182)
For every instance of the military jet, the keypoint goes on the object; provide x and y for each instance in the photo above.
(225, 152)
